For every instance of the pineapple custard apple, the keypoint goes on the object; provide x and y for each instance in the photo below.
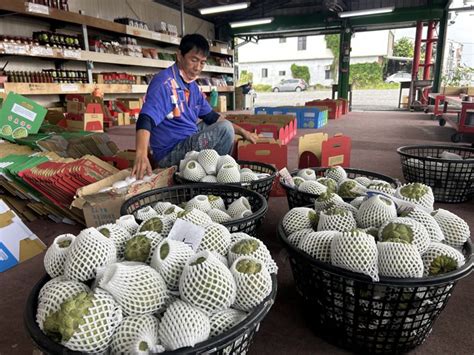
(146, 293)
(207, 166)
(370, 235)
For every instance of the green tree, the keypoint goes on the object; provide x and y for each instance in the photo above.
(403, 48)
(245, 77)
(366, 75)
(333, 44)
(300, 72)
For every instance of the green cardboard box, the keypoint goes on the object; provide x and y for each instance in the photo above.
(19, 117)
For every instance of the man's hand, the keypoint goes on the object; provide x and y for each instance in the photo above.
(141, 167)
(250, 136)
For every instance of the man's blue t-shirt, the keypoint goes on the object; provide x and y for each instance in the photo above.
(159, 104)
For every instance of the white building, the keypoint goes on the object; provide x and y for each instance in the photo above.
(270, 60)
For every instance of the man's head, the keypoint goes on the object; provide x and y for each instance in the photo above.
(192, 56)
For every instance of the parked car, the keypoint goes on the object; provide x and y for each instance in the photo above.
(290, 85)
(398, 77)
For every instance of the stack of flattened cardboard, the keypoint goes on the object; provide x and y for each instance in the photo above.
(7, 148)
(58, 181)
(17, 242)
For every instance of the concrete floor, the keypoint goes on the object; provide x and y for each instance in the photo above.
(375, 137)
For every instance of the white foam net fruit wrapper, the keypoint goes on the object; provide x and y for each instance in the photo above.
(183, 325)
(132, 332)
(207, 283)
(128, 222)
(261, 253)
(421, 239)
(295, 237)
(337, 222)
(55, 256)
(318, 245)
(356, 252)
(118, 234)
(399, 260)
(375, 211)
(436, 250)
(428, 222)
(52, 295)
(96, 333)
(252, 289)
(138, 288)
(89, 251)
(216, 238)
(171, 266)
(223, 320)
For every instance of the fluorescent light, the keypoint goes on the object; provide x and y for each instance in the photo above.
(262, 21)
(224, 8)
(381, 10)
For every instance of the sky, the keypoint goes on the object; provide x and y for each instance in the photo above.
(461, 31)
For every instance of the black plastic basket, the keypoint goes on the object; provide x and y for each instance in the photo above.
(183, 193)
(236, 340)
(451, 180)
(349, 310)
(262, 186)
(300, 199)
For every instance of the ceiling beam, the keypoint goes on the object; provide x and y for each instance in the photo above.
(315, 22)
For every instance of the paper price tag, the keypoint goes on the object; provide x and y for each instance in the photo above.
(37, 8)
(223, 51)
(69, 88)
(67, 53)
(156, 36)
(187, 233)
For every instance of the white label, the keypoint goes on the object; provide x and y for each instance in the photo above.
(139, 89)
(223, 51)
(14, 48)
(187, 233)
(67, 53)
(39, 50)
(69, 87)
(175, 40)
(24, 112)
(37, 8)
(286, 177)
(156, 36)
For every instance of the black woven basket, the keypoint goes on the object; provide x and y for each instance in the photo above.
(451, 180)
(183, 193)
(262, 186)
(300, 199)
(349, 310)
(236, 340)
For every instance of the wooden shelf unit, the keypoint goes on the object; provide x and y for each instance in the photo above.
(21, 7)
(59, 89)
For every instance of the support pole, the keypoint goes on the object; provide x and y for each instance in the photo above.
(344, 62)
(438, 70)
(182, 18)
(416, 62)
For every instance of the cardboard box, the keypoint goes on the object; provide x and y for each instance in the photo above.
(92, 122)
(17, 242)
(279, 127)
(123, 118)
(131, 104)
(75, 107)
(20, 117)
(99, 208)
(266, 150)
(307, 117)
(221, 104)
(317, 149)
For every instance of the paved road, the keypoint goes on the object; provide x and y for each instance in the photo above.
(362, 100)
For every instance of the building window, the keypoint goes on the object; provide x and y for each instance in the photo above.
(302, 43)
(264, 73)
(283, 40)
(282, 73)
(327, 74)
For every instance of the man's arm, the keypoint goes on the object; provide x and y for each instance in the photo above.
(142, 164)
(249, 136)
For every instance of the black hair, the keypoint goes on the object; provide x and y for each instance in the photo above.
(194, 41)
